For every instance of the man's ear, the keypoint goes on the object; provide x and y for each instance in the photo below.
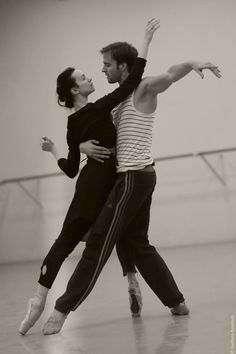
(74, 90)
(123, 67)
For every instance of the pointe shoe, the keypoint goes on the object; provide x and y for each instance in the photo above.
(35, 308)
(54, 323)
(135, 299)
(180, 310)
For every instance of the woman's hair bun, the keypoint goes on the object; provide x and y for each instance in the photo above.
(64, 84)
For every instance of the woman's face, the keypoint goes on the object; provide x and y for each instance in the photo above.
(85, 84)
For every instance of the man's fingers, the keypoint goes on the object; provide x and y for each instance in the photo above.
(216, 72)
(207, 66)
(101, 156)
(153, 24)
(101, 150)
(214, 69)
(151, 19)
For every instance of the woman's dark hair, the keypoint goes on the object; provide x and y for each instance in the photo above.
(122, 52)
(64, 84)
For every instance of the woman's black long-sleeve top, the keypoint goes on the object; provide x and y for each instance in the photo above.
(93, 121)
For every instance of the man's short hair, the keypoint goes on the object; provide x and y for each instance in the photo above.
(122, 52)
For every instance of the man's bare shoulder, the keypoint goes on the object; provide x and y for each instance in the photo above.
(143, 85)
(144, 99)
(143, 88)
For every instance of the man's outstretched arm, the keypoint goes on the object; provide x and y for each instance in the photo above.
(158, 84)
(153, 86)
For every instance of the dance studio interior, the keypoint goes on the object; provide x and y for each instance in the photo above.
(193, 211)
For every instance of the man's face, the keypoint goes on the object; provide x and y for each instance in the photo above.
(111, 69)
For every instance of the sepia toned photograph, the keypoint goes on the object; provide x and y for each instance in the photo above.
(118, 177)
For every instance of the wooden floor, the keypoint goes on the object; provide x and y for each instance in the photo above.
(103, 325)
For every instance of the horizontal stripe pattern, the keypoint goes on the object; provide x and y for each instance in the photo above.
(134, 136)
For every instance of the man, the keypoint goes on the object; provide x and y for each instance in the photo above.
(125, 216)
(133, 119)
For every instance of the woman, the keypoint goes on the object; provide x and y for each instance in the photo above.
(89, 121)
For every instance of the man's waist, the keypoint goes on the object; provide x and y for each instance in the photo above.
(149, 167)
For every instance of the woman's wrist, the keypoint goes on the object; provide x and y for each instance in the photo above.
(55, 153)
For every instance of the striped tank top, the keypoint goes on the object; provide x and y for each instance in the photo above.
(134, 136)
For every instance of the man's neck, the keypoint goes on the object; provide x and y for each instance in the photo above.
(124, 76)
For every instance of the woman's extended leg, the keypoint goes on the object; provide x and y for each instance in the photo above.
(71, 234)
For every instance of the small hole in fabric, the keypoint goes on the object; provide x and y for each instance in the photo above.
(44, 270)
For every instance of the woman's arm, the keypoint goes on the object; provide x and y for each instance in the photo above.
(69, 165)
